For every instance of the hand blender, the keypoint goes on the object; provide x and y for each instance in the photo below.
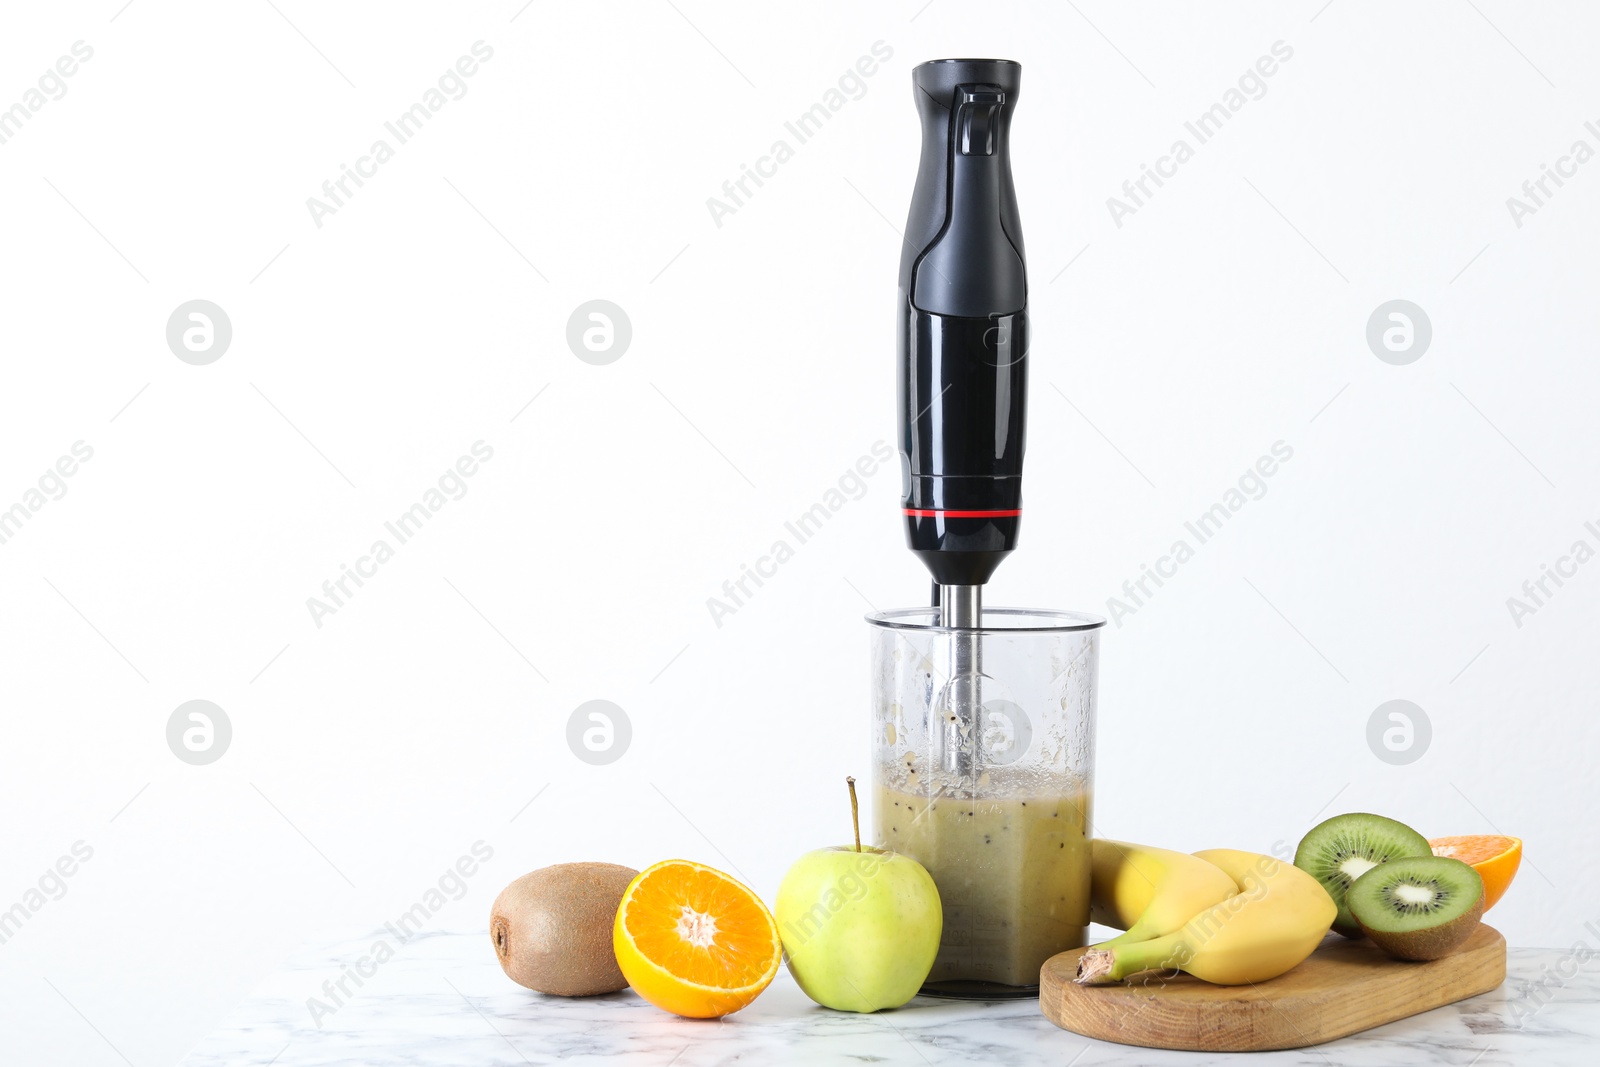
(982, 720)
(963, 347)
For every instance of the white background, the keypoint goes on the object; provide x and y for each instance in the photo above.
(1169, 354)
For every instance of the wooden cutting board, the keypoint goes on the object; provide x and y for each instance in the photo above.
(1342, 988)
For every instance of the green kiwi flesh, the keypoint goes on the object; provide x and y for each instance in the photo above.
(1340, 850)
(1418, 907)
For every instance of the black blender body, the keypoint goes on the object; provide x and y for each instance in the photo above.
(963, 331)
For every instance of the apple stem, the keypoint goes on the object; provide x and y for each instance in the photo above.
(855, 810)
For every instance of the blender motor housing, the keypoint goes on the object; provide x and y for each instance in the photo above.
(963, 329)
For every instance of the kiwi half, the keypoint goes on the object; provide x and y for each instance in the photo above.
(1418, 907)
(1340, 850)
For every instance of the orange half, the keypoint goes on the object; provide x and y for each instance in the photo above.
(1494, 857)
(695, 941)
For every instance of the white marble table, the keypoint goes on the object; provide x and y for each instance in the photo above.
(442, 999)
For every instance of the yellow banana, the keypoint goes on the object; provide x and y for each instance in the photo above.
(1276, 919)
(1150, 891)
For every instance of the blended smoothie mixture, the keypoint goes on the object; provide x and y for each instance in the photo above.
(1012, 872)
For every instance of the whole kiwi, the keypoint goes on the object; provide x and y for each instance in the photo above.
(551, 928)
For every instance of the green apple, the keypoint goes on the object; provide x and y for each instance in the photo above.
(860, 926)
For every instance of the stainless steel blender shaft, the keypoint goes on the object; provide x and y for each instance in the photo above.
(961, 609)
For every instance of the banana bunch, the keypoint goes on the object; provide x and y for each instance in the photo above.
(1178, 914)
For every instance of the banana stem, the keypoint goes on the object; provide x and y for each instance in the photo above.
(1135, 933)
(1102, 964)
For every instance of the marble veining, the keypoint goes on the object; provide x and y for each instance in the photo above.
(441, 999)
